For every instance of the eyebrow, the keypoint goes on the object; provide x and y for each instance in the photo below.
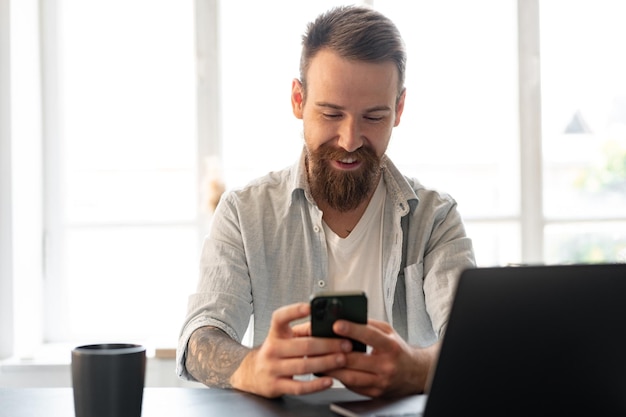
(337, 107)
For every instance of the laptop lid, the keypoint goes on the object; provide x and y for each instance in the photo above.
(534, 340)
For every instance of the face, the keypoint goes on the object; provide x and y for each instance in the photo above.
(348, 114)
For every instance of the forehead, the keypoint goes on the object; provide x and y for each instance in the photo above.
(342, 81)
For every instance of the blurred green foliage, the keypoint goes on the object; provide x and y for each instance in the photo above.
(610, 174)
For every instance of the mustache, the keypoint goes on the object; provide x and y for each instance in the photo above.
(330, 153)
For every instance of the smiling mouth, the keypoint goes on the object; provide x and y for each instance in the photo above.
(347, 163)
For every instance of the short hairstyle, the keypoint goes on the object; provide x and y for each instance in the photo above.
(354, 32)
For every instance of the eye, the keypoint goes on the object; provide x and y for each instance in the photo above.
(374, 118)
(332, 116)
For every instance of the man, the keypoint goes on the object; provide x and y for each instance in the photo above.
(342, 218)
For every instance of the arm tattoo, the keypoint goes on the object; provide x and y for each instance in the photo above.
(212, 356)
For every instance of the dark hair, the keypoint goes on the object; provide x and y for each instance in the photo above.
(354, 32)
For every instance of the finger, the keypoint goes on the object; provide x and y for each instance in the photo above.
(302, 329)
(356, 380)
(299, 347)
(374, 336)
(283, 316)
(381, 325)
(295, 387)
(311, 364)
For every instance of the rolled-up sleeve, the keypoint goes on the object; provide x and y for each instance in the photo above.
(223, 298)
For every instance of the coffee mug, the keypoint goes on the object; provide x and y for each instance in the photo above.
(108, 379)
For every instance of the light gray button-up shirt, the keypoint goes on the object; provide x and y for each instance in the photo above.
(266, 248)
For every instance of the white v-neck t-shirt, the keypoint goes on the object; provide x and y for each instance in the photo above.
(355, 262)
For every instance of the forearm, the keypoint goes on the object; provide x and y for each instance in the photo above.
(213, 356)
(425, 360)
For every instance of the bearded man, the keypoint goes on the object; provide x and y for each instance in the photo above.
(342, 218)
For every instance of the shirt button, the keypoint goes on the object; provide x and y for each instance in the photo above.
(316, 229)
(321, 283)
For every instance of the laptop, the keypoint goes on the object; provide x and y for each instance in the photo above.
(529, 341)
(411, 406)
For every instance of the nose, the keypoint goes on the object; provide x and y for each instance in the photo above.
(350, 137)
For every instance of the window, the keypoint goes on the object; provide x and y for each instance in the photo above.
(113, 189)
(584, 130)
(122, 226)
(459, 130)
(107, 166)
(121, 221)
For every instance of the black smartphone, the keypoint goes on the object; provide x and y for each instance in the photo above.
(327, 307)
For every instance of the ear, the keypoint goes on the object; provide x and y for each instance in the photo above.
(297, 98)
(399, 108)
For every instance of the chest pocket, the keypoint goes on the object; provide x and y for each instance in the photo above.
(411, 318)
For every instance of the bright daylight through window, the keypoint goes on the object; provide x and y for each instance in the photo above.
(115, 168)
(584, 130)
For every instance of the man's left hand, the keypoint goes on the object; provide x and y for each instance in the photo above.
(393, 368)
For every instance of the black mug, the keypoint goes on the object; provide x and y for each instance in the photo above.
(108, 380)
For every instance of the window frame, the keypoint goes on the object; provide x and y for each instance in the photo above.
(530, 140)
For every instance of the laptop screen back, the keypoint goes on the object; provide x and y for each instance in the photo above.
(534, 340)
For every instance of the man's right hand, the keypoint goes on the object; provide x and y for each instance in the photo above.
(269, 369)
(216, 360)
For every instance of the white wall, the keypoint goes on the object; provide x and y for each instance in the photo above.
(6, 256)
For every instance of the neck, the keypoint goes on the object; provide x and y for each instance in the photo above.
(343, 222)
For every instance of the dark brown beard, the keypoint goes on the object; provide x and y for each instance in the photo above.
(343, 191)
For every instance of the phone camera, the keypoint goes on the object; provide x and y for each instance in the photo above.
(335, 307)
(319, 308)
